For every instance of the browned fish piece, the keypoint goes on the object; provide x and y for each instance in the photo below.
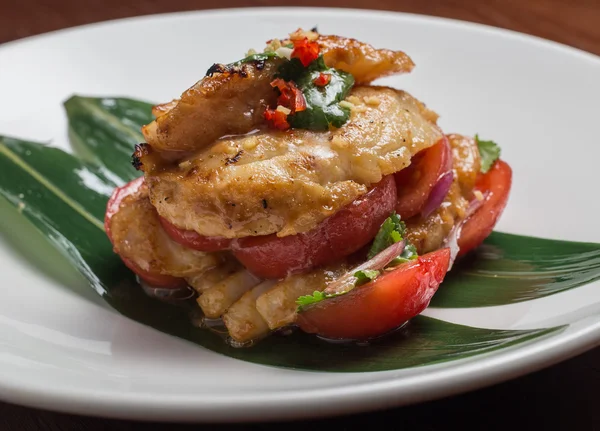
(230, 101)
(428, 234)
(361, 60)
(139, 237)
(467, 162)
(163, 108)
(288, 182)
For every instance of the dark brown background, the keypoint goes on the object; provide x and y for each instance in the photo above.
(562, 397)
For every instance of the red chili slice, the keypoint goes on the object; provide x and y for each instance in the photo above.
(305, 51)
(322, 80)
(290, 95)
(277, 119)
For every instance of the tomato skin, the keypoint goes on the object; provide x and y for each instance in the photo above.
(114, 202)
(414, 183)
(381, 305)
(155, 279)
(495, 185)
(112, 207)
(343, 233)
(194, 240)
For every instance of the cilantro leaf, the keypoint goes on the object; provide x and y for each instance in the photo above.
(391, 231)
(322, 103)
(365, 275)
(489, 152)
(409, 253)
(306, 300)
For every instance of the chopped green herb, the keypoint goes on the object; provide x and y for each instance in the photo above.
(364, 276)
(322, 103)
(391, 231)
(409, 253)
(306, 300)
(489, 152)
(260, 56)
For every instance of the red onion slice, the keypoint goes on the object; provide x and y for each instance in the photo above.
(451, 240)
(438, 193)
(346, 282)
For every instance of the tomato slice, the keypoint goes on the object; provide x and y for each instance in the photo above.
(193, 239)
(414, 183)
(343, 233)
(381, 305)
(112, 207)
(155, 279)
(495, 185)
(114, 203)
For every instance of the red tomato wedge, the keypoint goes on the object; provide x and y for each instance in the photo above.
(379, 306)
(113, 206)
(415, 183)
(337, 236)
(155, 279)
(114, 203)
(193, 239)
(495, 185)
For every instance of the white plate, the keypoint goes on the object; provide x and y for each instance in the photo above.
(63, 349)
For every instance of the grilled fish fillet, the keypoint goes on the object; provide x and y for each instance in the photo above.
(288, 182)
(361, 60)
(232, 99)
(138, 236)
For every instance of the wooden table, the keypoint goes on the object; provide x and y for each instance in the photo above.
(561, 397)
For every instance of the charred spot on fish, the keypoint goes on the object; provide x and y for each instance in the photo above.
(260, 64)
(136, 162)
(141, 150)
(192, 172)
(216, 68)
(314, 29)
(264, 204)
(234, 159)
(233, 69)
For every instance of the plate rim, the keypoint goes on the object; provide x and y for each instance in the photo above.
(458, 375)
(380, 14)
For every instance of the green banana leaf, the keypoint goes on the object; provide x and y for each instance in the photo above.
(511, 268)
(65, 197)
(507, 269)
(105, 130)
